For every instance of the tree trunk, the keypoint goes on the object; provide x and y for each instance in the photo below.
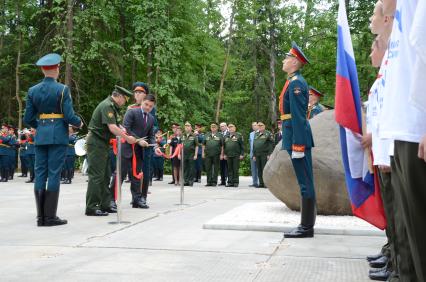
(18, 64)
(149, 65)
(123, 43)
(272, 62)
(307, 20)
(225, 65)
(69, 47)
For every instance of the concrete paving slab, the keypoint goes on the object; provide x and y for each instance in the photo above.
(166, 242)
(275, 216)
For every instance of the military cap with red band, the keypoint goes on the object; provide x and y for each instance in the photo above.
(49, 61)
(313, 91)
(296, 52)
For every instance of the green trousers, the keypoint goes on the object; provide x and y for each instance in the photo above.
(387, 194)
(212, 164)
(410, 174)
(260, 164)
(98, 195)
(188, 170)
(233, 170)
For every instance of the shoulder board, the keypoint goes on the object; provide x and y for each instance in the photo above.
(294, 78)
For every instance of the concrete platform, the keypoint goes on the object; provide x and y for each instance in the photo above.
(166, 242)
(275, 216)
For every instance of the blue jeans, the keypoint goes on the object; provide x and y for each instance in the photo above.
(254, 177)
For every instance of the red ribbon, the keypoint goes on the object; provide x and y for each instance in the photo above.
(175, 153)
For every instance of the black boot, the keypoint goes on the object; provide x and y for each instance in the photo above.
(31, 180)
(2, 175)
(6, 175)
(50, 207)
(65, 176)
(308, 215)
(11, 173)
(70, 175)
(39, 198)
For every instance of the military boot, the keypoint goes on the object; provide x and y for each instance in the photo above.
(31, 180)
(308, 215)
(50, 208)
(39, 198)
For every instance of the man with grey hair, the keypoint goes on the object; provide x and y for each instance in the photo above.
(223, 163)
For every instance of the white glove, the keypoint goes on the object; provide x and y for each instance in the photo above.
(297, 155)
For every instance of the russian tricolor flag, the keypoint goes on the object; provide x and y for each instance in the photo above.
(363, 188)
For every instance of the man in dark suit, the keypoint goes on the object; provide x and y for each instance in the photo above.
(138, 123)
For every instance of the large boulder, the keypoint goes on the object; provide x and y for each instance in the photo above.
(330, 187)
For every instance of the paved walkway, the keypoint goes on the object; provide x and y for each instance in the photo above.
(166, 242)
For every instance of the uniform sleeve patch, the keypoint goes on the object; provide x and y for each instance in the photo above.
(297, 90)
(110, 114)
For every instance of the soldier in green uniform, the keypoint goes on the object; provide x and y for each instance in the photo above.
(102, 127)
(314, 107)
(233, 153)
(49, 110)
(212, 151)
(278, 136)
(263, 146)
(297, 137)
(190, 148)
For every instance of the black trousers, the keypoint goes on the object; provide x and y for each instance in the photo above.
(223, 171)
(410, 174)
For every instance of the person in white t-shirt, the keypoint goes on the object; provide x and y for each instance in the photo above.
(406, 124)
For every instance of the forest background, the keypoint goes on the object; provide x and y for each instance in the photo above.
(205, 60)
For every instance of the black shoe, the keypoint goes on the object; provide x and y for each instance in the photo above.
(22, 175)
(127, 181)
(373, 270)
(161, 179)
(185, 184)
(253, 185)
(300, 232)
(140, 205)
(222, 184)
(374, 257)
(381, 275)
(229, 185)
(113, 205)
(96, 213)
(236, 185)
(380, 262)
(171, 182)
(53, 221)
(208, 184)
(157, 179)
(109, 210)
(30, 181)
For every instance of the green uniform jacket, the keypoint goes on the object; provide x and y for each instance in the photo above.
(233, 145)
(263, 143)
(297, 134)
(190, 142)
(213, 144)
(105, 113)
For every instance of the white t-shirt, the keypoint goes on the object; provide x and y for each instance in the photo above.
(399, 119)
(380, 147)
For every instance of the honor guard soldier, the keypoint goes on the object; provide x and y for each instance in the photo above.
(70, 157)
(49, 110)
(12, 150)
(102, 127)
(263, 146)
(31, 154)
(212, 151)
(190, 154)
(23, 153)
(314, 107)
(199, 162)
(233, 149)
(297, 137)
(4, 153)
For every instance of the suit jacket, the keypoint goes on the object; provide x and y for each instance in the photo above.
(134, 124)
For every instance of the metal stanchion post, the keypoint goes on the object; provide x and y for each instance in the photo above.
(182, 188)
(118, 185)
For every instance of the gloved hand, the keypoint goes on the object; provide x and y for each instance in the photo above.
(297, 155)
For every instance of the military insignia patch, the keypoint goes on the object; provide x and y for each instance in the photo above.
(110, 114)
(297, 90)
